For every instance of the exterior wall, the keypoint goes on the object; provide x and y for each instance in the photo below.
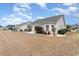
(44, 28)
(16, 27)
(50, 28)
(23, 27)
(20, 27)
(33, 29)
(60, 24)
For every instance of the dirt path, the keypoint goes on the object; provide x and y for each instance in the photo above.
(18, 43)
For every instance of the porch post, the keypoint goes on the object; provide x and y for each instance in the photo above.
(18, 28)
(50, 29)
(33, 29)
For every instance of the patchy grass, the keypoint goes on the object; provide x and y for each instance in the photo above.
(19, 43)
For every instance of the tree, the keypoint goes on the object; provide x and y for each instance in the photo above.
(1, 26)
(68, 27)
(10, 27)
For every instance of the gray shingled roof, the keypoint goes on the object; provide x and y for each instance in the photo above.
(27, 23)
(49, 20)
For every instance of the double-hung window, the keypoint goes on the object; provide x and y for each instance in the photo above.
(47, 27)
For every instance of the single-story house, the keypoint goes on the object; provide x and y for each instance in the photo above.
(75, 26)
(47, 24)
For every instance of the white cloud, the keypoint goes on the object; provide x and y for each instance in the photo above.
(60, 11)
(12, 20)
(42, 5)
(40, 17)
(17, 9)
(68, 4)
(27, 16)
(19, 15)
(72, 9)
(30, 13)
(22, 12)
(64, 11)
(24, 15)
(24, 5)
(76, 15)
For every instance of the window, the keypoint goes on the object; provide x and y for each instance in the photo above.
(29, 28)
(47, 27)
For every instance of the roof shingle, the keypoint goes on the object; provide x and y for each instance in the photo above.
(49, 20)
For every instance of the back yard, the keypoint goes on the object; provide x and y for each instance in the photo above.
(19, 43)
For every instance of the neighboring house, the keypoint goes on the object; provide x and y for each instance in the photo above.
(57, 22)
(22, 27)
(75, 26)
(47, 24)
(9, 27)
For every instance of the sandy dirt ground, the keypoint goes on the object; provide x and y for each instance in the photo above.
(23, 44)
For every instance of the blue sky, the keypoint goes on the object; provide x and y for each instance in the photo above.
(15, 13)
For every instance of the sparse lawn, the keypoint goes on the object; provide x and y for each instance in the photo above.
(77, 36)
(19, 43)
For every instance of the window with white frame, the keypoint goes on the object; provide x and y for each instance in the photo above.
(47, 27)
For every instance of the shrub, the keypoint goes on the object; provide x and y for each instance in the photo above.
(73, 28)
(68, 30)
(62, 31)
(68, 26)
